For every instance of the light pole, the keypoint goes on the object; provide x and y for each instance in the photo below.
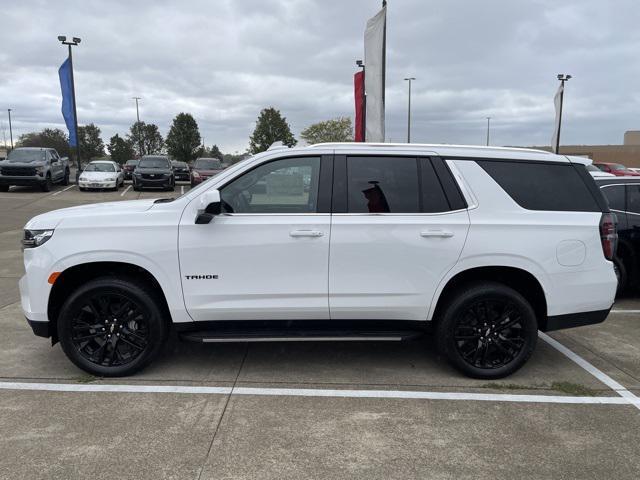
(10, 129)
(488, 127)
(409, 79)
(138, 124)
(563, 78)
(73, 42)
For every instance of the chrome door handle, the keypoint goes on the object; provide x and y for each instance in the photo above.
(437, 233)
(306, 233)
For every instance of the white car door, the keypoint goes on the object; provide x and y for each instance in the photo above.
(266, 256)
(397, 228)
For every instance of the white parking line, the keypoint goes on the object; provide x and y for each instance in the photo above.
(599, 374)
(64, 190)
(125, 191)
(615, 310)
(181, 189)
(318, 392)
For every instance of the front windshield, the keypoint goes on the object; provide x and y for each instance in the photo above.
(26, 156)
(100, 167)
(208, 164)
(154, 162)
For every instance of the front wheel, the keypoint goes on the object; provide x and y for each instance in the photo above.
(487, 330)
(46, 186)
(112, 327)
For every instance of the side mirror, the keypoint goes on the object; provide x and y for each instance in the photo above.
(210, 205)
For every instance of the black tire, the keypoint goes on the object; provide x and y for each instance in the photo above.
(136, 188)
(82, 189)
(496, 320)
(97, 341)
(46, 186)
(621, 274)
(65, 179)
(4, 188)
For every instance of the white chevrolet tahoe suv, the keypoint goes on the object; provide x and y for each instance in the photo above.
(482, 246)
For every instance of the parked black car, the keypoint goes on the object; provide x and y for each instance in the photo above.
(623, 195)
(181, 170)
(154, 171)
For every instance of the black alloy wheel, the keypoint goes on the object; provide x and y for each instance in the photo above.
(488, 331)
(46, 185)
(111, 327)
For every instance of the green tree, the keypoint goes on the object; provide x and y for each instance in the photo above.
(214, 152)
(334, 130)
(145, 138)
(183, 139)
(271, 127)
(120, 149)
(49, 138)
(91, 145)
(232, 158)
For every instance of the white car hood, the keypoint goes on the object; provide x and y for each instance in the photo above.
(97, 176)
(51, 219)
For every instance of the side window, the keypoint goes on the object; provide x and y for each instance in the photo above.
(542, 186)
(283, 186)
(615, 196)
(382, 185)
(433, 196)
(633, 199)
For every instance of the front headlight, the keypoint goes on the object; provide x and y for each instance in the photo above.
(137, 174)
(35, 238)
(40, 170)
(195, 174)
(83, 179)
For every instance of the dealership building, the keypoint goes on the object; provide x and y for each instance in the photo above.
(627, 154)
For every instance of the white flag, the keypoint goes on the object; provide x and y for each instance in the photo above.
(374, 76)
(557, 101)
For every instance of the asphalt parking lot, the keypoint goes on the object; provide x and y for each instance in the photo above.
(324, 410)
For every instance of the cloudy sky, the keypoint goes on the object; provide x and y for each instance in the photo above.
(224, 60)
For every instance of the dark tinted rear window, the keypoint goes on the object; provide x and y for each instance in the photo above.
(542, 186)
(615, 196)
(382, 185)
(633, 198)
(433, 197)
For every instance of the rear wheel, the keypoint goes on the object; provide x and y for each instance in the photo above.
(487, 330)
(112, 327)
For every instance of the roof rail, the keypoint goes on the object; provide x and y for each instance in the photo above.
(421, 145)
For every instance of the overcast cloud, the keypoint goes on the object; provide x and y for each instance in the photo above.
(223, 61)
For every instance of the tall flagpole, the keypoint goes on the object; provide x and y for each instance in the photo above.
(384, 66)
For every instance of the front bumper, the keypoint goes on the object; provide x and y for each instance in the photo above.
(152, 183)
(40, 329)
(89, 184)
(21, 181)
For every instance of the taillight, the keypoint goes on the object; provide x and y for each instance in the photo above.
(608, 235)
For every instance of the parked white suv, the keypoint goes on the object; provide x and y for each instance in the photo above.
(332, 242)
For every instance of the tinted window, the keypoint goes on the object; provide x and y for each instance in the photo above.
(382, 185)
(633, 198)
(283, 186)
(542, 186)
(208, 164)
(433, 197)
(615, 196)
(100, 167)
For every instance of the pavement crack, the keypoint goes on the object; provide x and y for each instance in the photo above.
(224, 410)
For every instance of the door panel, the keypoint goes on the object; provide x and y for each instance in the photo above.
(389, 266)
(264, 270)
(394, 234)
(266, 257)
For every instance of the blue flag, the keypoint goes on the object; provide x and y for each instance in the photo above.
(67, 101)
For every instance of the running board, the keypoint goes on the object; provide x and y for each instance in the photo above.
(209, 336)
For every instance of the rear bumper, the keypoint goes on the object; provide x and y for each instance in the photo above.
(571, 320)
(21, 181)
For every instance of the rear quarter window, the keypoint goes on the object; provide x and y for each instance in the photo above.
(542, 186)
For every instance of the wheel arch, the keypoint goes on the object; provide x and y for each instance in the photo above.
(521, 280)
(74, 276)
